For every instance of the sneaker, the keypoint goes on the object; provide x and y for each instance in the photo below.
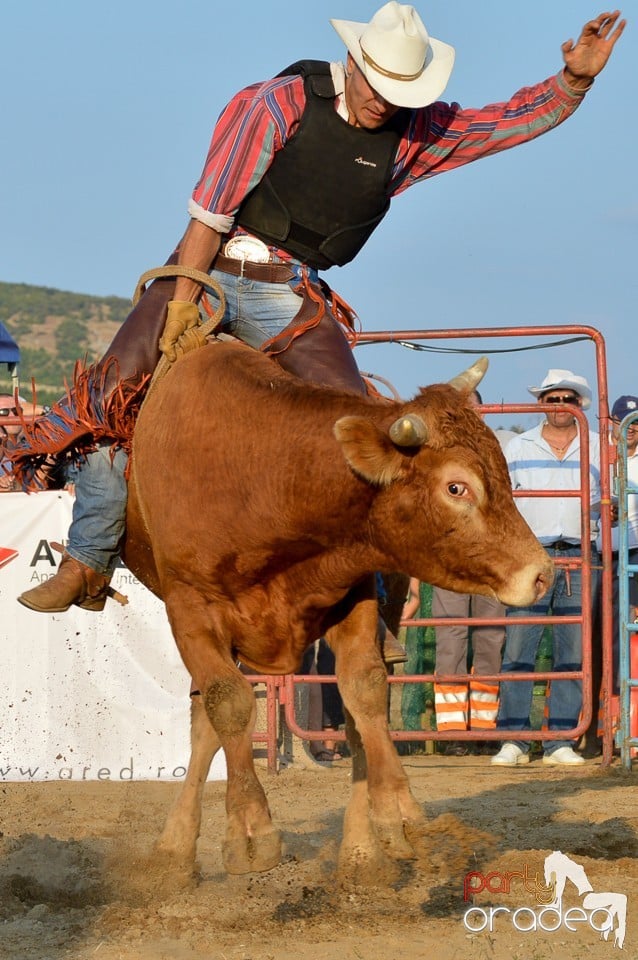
(564, 756)
(455, 748)
(510, 756)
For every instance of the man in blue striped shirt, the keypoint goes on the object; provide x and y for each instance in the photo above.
(548, 458)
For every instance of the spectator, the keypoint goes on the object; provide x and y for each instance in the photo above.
(460, 706)
(548, 458)
(12, 419)
(320, 657)
(10, 432)
(463, 706)
(10, 426)
(417, 699)
(503, 435)
(622, 408)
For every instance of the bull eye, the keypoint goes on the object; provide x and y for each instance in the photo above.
(457, 489)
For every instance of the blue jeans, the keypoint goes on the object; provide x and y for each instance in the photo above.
(99, 510)
(616, 615)
(254, 312)
(521, 648)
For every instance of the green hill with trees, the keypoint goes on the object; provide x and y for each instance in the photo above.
(53, 329)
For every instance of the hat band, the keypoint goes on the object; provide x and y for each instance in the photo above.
(389, 73)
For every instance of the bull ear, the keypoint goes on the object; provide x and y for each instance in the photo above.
(368, 450)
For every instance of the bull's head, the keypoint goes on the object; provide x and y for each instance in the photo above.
(445, 495)
(366, 447)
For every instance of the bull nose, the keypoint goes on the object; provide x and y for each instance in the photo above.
(528, 585)
(544, 580)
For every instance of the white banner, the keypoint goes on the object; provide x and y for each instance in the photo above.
(86, 696)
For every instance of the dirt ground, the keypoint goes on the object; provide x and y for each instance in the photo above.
(76, 880)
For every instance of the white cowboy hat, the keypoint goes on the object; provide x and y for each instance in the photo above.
(399, 60)
(564, 380)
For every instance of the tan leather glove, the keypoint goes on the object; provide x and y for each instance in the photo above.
(182, 315)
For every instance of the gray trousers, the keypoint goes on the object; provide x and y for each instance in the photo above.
(452, 641)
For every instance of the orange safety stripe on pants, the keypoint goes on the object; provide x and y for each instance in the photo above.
(450, 704)
(483, 705)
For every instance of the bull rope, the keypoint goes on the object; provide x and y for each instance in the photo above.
(189, 340)
(196, 336)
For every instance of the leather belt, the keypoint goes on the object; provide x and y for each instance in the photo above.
(264, 272)
(561, 545)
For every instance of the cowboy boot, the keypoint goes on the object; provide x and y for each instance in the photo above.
(391, 650)
(73, 582)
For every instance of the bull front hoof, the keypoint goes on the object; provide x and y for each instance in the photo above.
(393, 841)
(151, 874)
(419, 837)
(365, 866)
(266, 850)
(252, 854)
(184, 856)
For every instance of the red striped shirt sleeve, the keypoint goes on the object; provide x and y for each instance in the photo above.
(445, 136)
(252, 127)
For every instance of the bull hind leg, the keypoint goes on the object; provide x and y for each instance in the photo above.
(381, 791)
(181, 830)
(251, 842)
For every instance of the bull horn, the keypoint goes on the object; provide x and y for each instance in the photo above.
(409, 431)
(470, 378)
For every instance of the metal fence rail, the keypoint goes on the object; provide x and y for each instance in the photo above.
(282, 689)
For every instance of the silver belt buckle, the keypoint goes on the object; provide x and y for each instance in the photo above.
(247, 248)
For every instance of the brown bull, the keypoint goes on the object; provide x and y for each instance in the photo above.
(259, 506)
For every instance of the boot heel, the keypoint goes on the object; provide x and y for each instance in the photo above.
(92, 603)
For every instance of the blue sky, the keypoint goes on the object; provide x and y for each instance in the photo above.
(107, 114)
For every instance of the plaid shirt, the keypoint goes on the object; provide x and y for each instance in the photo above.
(260, 119)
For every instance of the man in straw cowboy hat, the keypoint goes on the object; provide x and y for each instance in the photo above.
(548, 457)
(300, 171)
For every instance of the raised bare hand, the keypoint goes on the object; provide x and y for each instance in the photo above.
(586, 58)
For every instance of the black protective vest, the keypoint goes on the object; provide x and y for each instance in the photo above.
(328, 188)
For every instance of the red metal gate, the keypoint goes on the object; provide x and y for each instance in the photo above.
(281, 690)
